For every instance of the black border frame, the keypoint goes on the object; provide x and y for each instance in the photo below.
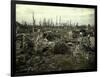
(13, 35)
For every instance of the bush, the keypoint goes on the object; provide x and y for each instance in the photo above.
(61, 48)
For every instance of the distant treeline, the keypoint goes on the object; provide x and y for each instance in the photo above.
(26, 28)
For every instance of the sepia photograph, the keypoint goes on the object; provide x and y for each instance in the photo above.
(54, 38)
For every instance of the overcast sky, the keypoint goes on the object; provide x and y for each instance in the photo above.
(67, 14)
